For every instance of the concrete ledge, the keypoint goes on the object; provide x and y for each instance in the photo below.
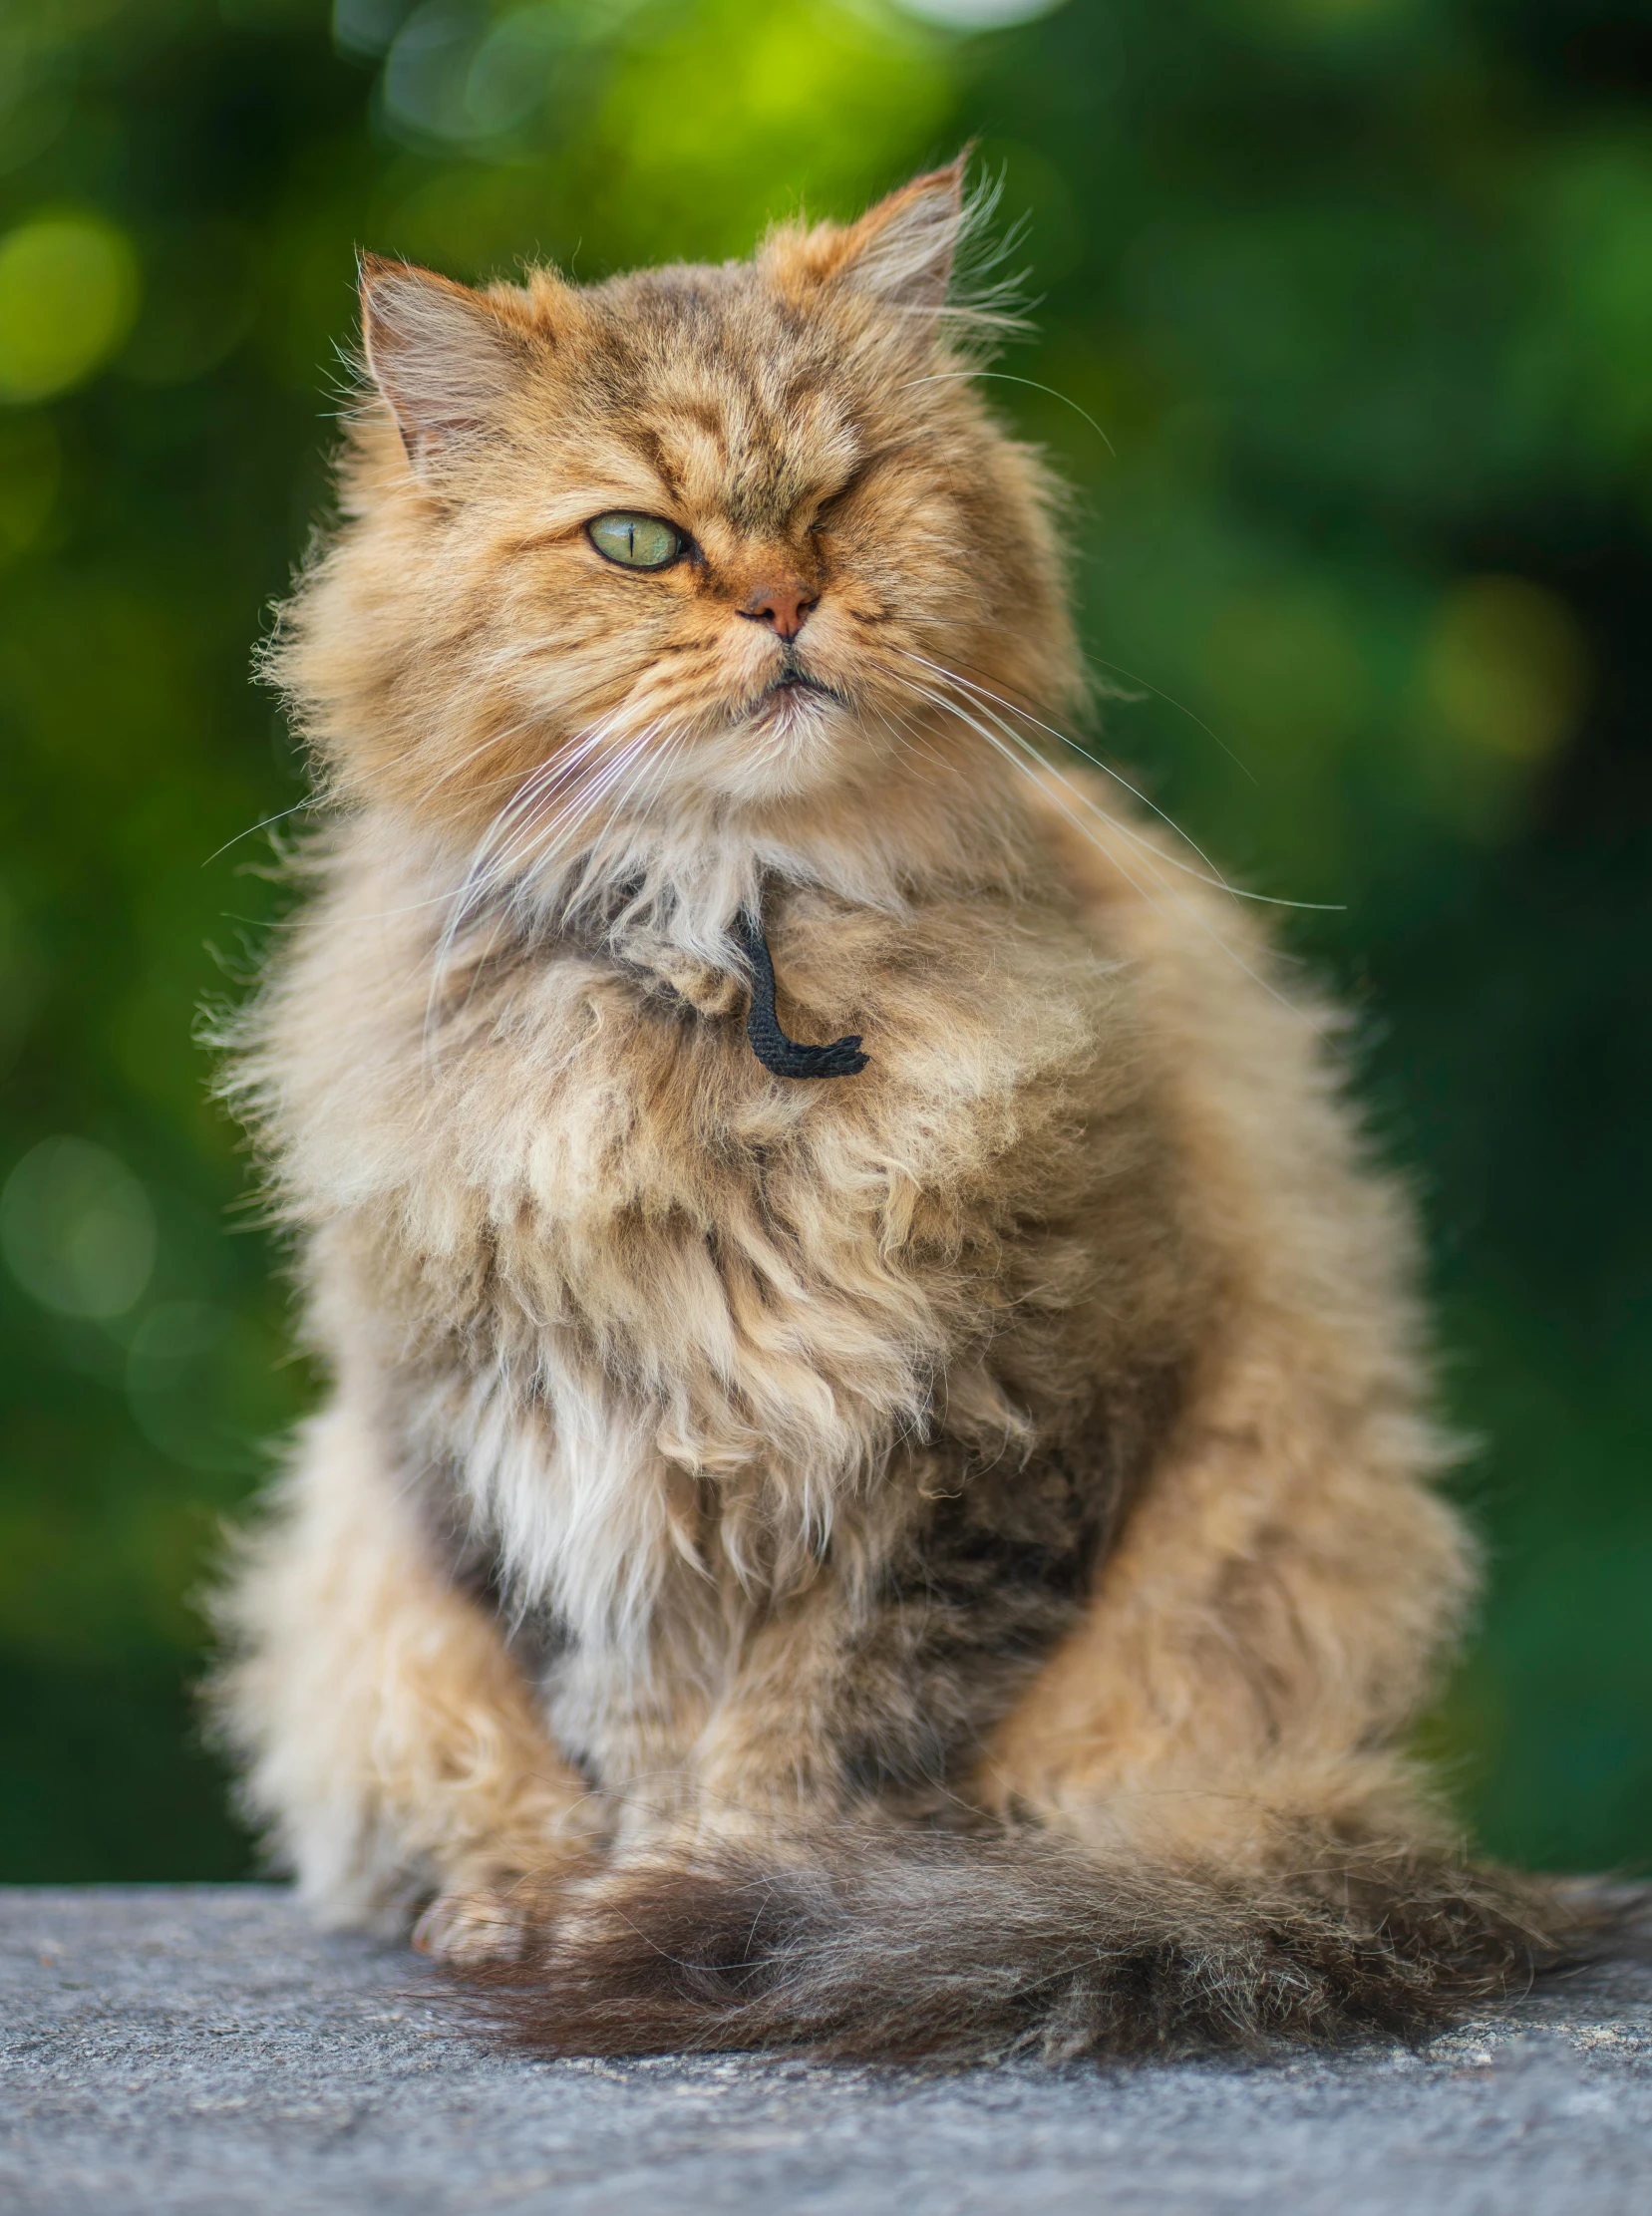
(200, 2051)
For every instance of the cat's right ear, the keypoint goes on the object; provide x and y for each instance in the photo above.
(444, 358)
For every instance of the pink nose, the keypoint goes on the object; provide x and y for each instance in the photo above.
(783, 604)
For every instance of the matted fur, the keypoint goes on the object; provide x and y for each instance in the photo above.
(934, 1561)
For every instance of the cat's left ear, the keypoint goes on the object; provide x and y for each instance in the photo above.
(900, 253)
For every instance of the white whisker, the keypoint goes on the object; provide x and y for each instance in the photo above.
(513, 841)
(279, 817)
(1006, 377)
(1181, 706)
(1215, 878)
(952, 707)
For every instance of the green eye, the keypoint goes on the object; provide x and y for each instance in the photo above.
(638, 541)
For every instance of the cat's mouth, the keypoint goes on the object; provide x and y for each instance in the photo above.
(792, 682)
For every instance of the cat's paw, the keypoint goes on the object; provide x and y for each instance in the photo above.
(472, 1925)
(492, 1912)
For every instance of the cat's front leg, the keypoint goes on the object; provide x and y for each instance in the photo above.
(865, 1698)
(394, 1753)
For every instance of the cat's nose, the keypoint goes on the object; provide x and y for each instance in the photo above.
(783, 603)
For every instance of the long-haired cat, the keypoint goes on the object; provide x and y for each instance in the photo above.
(893, 1518)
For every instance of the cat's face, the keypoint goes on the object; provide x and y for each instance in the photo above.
(733, 535)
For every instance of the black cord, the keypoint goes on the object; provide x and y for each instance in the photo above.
(786, 1057)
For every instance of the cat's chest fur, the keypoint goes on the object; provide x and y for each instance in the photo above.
(594, 1253)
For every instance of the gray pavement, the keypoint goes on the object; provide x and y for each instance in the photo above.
(197, 2050)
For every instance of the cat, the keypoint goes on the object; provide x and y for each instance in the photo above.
(879, 1488)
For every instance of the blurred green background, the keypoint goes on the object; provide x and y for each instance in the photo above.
(1360, 293)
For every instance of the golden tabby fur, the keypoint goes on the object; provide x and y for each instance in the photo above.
(938, 1559)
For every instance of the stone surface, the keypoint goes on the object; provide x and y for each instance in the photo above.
(200, 2050)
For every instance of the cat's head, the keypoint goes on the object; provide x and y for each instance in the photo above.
(735, 538)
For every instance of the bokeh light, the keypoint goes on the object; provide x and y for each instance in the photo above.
(77, 1229)
(68, 294)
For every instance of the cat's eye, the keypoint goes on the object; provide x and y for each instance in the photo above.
(636, 541)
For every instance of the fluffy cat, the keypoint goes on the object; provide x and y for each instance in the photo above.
(912, 1541)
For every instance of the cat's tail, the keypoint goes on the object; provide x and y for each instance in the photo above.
(925, 1945)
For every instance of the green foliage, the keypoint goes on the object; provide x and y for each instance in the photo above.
(1358, 297)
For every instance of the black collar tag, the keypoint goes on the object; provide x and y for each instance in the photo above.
(786, 1057)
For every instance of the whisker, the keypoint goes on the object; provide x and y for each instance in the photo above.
(279, 817)
(1182, 708)
(985, 693)
(1169, 700)
(952, 707)
(917, 741)
(961, 713)
(1006, 377)
(649, 772)
(475, 753)
(524, 851)
(1215, 878)
(529, 847)
(489, 869)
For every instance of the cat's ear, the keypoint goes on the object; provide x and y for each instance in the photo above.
(444, 359)
(900, 251)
